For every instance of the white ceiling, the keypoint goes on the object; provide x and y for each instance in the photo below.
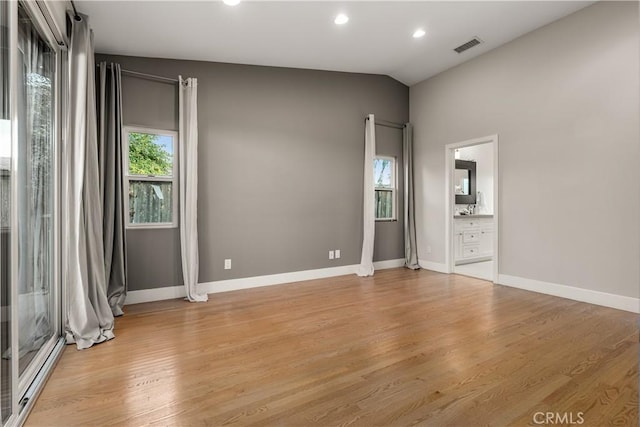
(301, 34)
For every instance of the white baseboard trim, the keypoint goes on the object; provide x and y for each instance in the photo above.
(274, 279)
(159, 294)
(296, 276)
(156, 294)
(570, 292)
(434, 266)
(383, 265)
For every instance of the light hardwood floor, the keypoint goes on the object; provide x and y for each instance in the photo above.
(402, 348)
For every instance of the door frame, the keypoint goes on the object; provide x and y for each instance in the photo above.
(450, 200)
(26, 386)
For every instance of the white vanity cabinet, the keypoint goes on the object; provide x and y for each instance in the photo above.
(473, 238)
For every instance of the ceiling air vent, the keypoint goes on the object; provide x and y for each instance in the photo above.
(468, 45)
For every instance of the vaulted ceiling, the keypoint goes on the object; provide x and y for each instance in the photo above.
(302, 34)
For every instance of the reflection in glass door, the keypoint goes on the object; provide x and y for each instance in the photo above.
(35, 175)
(29, 286)
(5, 220)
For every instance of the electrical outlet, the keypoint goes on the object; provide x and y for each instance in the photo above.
(331, 255)
(337, 253)
(227, 264)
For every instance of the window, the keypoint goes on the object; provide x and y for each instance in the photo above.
(150, 178)
(384, 179)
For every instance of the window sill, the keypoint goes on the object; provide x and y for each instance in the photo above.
(150, 226)
(387, 220)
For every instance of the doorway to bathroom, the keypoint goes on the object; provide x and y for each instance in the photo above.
(472, 208)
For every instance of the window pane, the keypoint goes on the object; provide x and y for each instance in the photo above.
(4, 60)
(384, 204)
(150, 202)
(150, 154)
(35, 175)
(5, 209)
(382, 173)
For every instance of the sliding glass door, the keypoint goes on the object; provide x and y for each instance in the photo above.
(6, 367)
(36, 175)
(30, 134)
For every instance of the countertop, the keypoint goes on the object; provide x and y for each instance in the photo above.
(474, 216)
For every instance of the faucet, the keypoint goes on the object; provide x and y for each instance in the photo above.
(471, 209)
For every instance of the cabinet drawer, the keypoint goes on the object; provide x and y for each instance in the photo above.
(470, 251)
(471, 236)
(464, 224)
(486, 227)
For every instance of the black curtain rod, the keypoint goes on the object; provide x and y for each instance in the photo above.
(75, 11)
(386, 123)
(150, 76)
(146, 76)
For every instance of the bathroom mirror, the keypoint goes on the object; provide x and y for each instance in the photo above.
(465, 182)
(462, 182)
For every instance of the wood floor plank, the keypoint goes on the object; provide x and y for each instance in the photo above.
(400, 348)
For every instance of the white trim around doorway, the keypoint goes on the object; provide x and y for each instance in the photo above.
(450, 200)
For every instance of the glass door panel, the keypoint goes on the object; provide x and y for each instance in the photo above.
(36, 188)
(5, 220)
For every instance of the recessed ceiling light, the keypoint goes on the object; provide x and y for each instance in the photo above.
(231, 2)
(341, 19)
(419, 33)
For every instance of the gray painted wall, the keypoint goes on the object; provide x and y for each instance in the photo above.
(280, 167)
(564, 100)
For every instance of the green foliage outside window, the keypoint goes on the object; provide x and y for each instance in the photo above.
(151, 202)
(146, 157)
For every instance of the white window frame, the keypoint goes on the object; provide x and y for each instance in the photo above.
(394, 188)
(173, 179)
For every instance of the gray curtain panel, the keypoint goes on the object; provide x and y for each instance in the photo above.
(89, 319)
(366, 267)
(410, 248)
(188, 170)
(109, 117)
